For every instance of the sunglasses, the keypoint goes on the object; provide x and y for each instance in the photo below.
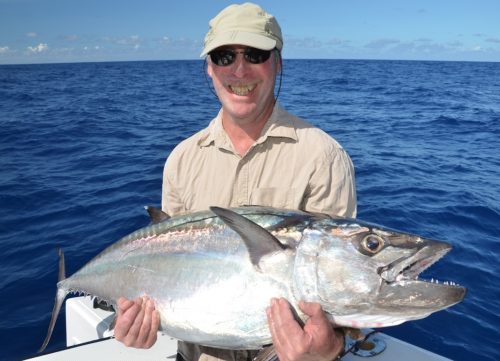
(225, 57)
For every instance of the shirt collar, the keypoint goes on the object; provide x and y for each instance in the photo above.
(279, 125)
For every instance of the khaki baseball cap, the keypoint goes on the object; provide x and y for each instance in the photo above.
(246, 24)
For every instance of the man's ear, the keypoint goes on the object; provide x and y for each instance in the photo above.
(209, 68)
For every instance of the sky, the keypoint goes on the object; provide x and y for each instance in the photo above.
(61, 31)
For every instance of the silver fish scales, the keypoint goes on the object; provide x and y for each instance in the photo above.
(212, 274)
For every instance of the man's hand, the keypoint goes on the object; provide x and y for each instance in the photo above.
(137, 322)
(316, 341)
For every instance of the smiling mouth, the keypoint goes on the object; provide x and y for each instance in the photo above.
(241, 90)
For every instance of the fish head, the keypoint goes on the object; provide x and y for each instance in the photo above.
(364, 275)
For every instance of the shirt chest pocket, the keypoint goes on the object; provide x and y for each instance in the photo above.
(275, 197)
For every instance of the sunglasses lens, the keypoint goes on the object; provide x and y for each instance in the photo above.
(257, 56)
(225, 57)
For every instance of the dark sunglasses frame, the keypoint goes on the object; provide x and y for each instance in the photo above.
(227, 56)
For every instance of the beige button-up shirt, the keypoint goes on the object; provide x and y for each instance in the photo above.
(292, 165)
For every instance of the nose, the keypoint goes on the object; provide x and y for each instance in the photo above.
(240, 65)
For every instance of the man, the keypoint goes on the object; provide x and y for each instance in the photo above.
(253, 152)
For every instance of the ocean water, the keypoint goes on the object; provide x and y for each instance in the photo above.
(82, 147)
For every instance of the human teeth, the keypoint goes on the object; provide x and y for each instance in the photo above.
(241, 89)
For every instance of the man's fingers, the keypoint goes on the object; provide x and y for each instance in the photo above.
(133, 333)
(316, 314)
(288, 335)
(311, 308)
(146, 326)
(315, 340)
(283, 316)
(272, 327)
(124, 304)
(153, 332)
(149, 329)
(127, 314)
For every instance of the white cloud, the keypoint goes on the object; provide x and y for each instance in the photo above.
(31, 34)
(40, 48)
(336, 41)
(423, 40)
(381, 43)
(133, 40)
(455, 44)
(90, 48)
(304, 43)
(71, 37)
(4, 49)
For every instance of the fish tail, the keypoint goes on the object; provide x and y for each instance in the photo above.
(60, 296)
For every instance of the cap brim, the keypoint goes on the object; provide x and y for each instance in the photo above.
(239, 38)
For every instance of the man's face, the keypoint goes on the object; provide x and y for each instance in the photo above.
(245, 90)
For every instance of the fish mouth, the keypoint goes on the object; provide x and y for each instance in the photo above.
(409, 268)
(402, 286)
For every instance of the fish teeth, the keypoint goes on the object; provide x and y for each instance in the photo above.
(446, 283)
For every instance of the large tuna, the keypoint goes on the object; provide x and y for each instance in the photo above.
(212, 274)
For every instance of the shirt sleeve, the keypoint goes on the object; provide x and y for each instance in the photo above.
(332, 188)
(171, 202)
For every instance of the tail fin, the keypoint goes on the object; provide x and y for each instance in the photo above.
(60, 296)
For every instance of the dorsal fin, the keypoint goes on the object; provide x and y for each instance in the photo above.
(257, 239)
(156, 215)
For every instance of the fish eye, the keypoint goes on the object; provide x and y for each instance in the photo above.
(372, 243)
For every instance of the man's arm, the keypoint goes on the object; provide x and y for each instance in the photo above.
(171, 202)
(332, 187)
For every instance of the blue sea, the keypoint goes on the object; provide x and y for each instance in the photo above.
(82, 148)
